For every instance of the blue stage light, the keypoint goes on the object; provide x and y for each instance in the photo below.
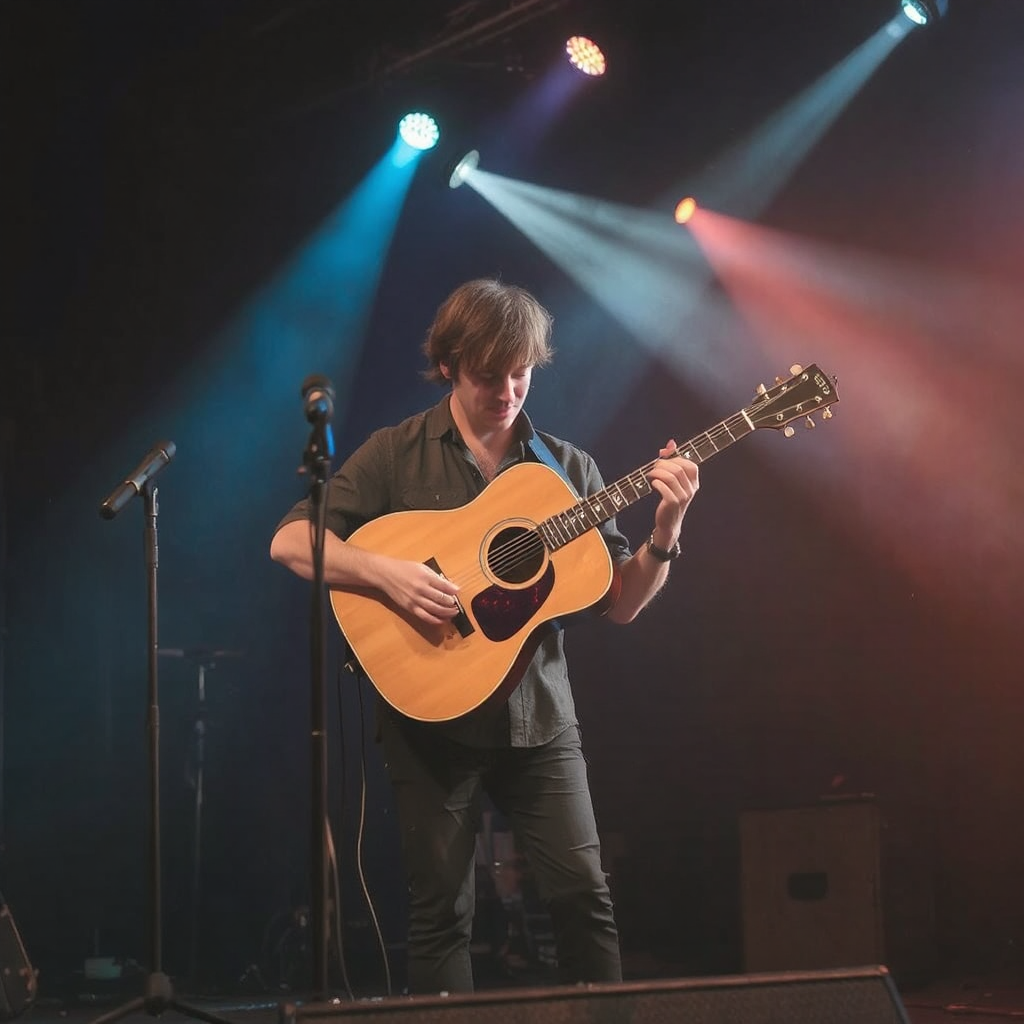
(419, 131)
(923, 12)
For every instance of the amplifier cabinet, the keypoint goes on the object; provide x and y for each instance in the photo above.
(811, 886)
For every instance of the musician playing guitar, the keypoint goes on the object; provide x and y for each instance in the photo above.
(457, 616)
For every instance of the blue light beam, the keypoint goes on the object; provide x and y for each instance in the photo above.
(312, 316)
(745, 179)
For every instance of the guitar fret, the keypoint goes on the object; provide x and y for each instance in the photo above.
(573, 520)
(618, 498)
(703, 446)
(563, 536)
(592, 513)
(641, 485)
(704, 453)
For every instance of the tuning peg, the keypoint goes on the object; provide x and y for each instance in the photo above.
(789, 430)
(795, 369)
(761, 390)
(779, 380)
(826, 414)
(810, 423)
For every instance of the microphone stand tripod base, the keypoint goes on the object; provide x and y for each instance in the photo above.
(157, 998)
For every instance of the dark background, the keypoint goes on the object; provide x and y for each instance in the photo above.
(844, 619)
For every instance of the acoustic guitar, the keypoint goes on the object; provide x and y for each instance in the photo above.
(524, 552)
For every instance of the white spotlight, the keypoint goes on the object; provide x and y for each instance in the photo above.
(464, 168)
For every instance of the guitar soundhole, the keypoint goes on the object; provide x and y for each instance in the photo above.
(516, 555)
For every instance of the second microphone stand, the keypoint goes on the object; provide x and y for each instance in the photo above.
(158, 991)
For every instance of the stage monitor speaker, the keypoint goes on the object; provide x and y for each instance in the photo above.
(862, 995)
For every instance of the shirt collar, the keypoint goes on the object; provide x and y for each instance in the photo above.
(441, 424)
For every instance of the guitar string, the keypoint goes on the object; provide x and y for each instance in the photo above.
(511, 554)
(524, 546)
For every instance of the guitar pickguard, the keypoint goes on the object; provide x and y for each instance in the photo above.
(501, 613)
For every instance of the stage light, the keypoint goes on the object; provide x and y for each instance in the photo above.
(923, 12)
(419, 131)
(585, 55)
(685, 209)
(463, 168)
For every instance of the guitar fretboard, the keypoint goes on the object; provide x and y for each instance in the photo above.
(558, 530)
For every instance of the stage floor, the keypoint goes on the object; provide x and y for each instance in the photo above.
(966, 1001)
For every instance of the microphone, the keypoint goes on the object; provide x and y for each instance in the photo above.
(318, 395)
(144, 472)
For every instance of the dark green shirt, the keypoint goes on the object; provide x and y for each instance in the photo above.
(423, 463)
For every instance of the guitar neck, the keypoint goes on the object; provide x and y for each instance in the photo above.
(566, 526)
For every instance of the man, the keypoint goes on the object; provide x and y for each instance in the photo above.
(524, 750)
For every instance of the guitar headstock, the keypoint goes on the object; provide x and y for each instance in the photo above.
(806, 392)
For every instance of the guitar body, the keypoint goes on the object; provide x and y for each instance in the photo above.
(511, 585)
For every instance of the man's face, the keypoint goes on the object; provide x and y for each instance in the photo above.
(492, 400)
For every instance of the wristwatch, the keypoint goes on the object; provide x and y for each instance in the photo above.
(660, 553)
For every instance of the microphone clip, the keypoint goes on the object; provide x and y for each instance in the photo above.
(137, 481)
(318, 403)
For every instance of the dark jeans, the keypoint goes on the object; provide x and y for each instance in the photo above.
(543, 793)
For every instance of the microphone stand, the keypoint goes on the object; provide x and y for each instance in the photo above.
(158, 991)
(317, 462)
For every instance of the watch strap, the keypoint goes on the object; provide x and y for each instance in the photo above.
(660, 553)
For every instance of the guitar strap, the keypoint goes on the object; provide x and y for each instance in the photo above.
(543, 453)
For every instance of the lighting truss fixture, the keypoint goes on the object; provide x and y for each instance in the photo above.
(585, 55)
(924, 12)
(419, 131)
(463, 168)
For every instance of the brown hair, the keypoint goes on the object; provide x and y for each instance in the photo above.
(487, 326)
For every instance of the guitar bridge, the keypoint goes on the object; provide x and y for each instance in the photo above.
(461, 621)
